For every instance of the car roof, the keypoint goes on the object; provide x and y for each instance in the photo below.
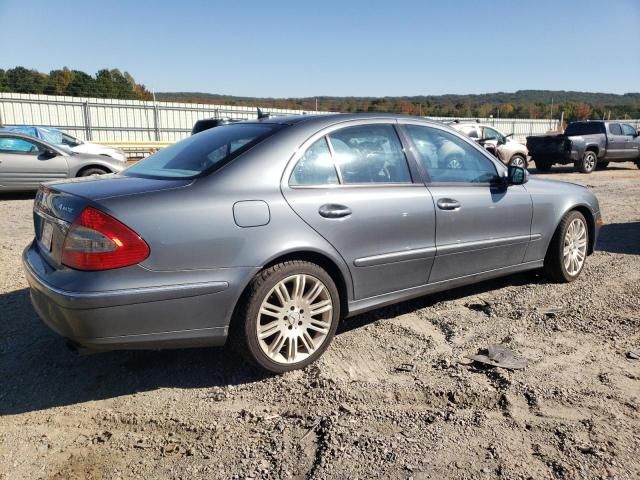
(325, 120)
(24, 136)
(11, 133)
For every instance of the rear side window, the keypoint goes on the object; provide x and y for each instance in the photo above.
(315, 167)
(369, 154)
(201, 154)
(584, 128)
(615, 129)
(629, 130)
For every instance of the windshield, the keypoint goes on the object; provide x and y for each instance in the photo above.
(202, 153)
(584, 128)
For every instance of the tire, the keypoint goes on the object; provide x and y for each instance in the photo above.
(518, 161)
(296, 336)
(555, 267)
(542, 165)
(602, 165)
(588, 162)
(92, 171)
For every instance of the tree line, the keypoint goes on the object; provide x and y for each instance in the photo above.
(106, 83)
(112, 83)
(520, 104)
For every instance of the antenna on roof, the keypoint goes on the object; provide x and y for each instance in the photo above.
(262, 115)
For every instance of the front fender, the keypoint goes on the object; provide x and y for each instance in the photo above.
(551, 201)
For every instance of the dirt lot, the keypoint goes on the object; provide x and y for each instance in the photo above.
(573, 413)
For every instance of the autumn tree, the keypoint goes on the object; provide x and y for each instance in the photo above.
(583, 111)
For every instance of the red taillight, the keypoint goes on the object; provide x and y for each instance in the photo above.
(97, 241)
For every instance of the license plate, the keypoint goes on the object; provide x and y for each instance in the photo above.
(47, 234)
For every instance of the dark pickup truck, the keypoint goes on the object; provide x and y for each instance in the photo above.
(588, 145)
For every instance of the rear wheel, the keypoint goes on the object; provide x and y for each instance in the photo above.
(92, 171)
(543, 165)
(289, 316)
(588, 162)
(568, 249)
(518, 161)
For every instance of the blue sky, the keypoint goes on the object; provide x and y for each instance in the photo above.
(361, 48)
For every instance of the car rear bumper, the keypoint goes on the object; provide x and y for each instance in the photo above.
(168, 316)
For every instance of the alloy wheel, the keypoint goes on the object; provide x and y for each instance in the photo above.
(518, 161)
(575, 247)
(294, 319)
(589, 161)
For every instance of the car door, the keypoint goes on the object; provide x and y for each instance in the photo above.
(481, 225)
(616, 142)
(354, 186)
(26, 163)
(632, 143)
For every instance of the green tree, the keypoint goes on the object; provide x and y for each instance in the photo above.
(82, 85)
(59, 81)
(22, 80)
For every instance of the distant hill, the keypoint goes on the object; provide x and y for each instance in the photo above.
(523, 103)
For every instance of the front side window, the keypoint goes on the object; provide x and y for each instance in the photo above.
(491, 134)
(449, 159)
(315, 167)
(615, 129)
(18, 145)
(369, 154)
(202, 154)
(629, 130)
(70, 141)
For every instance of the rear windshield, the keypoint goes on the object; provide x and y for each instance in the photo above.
(202, 153)
(584, 128)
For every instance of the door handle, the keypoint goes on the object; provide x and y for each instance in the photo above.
(448, 204)
(332, 210)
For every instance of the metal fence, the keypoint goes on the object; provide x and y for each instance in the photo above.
(110, 120)
(521, 128)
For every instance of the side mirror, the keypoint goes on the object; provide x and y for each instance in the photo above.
(517, 175)
(50, 153)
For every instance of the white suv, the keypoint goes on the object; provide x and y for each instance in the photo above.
(506, 149)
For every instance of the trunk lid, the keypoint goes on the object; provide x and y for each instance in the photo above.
(58, 204)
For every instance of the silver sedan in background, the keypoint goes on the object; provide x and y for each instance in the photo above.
(270, 232)
(27, 162)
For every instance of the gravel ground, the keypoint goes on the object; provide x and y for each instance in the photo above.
(573, 413)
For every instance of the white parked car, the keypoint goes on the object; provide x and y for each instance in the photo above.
(68, 142)
(501, 145)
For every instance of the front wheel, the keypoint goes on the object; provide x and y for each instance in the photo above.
(568, 249)
(92, 171)
(289, 316)
(588, 162)
(518, 161)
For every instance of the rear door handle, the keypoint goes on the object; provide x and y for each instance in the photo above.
(448, 204)
(332, 210)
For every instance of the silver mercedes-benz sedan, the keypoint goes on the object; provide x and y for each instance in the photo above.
(26, 162)
(270, 232)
